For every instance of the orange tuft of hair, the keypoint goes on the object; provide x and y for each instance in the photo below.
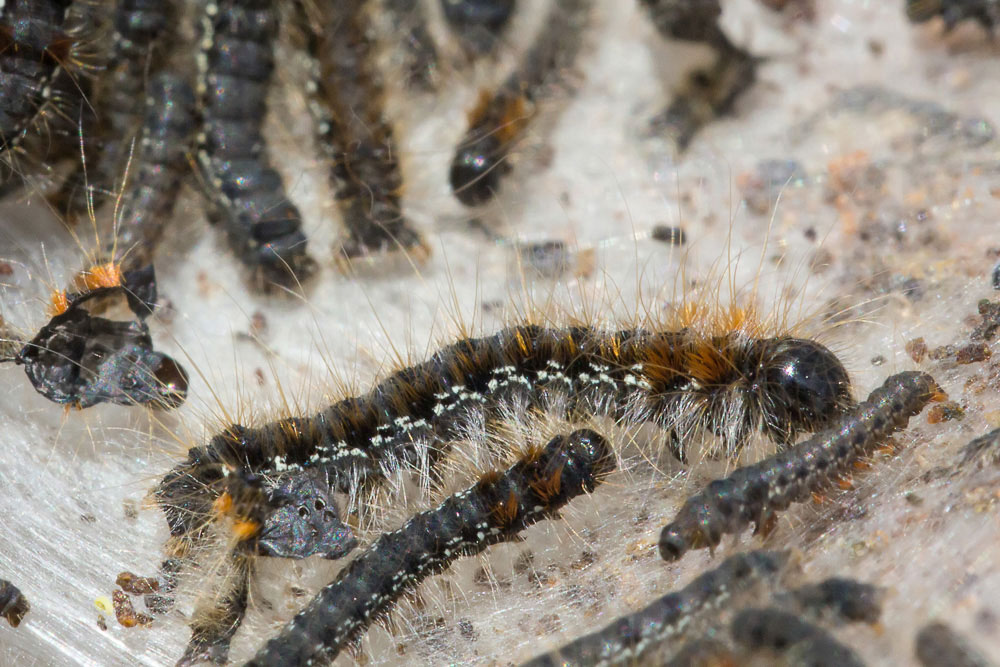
(706, 363)
(548, 487)
(107, 274)
(58, 303)
(223, 504)
(244, 529)
(505, 511)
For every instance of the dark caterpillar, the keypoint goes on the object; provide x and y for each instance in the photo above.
(839, 599)
(140, 28)
(627, 638)
(729, 384)
(263, 227)
(502, 117)
(755, 492)
(289, 516)
(150, 195)
(496, 509)
(353, 130)
(118, 99)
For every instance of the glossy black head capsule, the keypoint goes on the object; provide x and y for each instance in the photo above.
(477, 169)
(800, 385)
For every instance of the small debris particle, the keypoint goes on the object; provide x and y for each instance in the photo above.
(972, 353)
(6, 269)
(158, 604)
(943, 412)
(136, 585)
(878, 360)
(586, 559)
(101, 623)
(465, 629)
(125, 612)
(990, 312)
(549, 624)
(669, 235)
(258, 324)
(917, 349)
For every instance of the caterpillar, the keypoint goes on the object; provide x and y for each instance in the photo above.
(478, 23)
(730, 383)
(263, 227)
(148, 201)
(83, 358)
(799, 641)
(496, 509)
(131, 93)
(284, 516)
(120, 99)
(347, 103)
(627, 639)
(752, 493)
(502, 117)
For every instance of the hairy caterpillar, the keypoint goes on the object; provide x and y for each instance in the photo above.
(82, 358)
(497, 508)
(121, 98)
(502, 117)
(149, 201)
(731, 383)
(235, 65)
(353, 130)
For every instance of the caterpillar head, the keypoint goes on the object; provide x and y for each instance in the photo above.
(800, 385)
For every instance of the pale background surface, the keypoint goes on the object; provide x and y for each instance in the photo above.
(932, 539)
